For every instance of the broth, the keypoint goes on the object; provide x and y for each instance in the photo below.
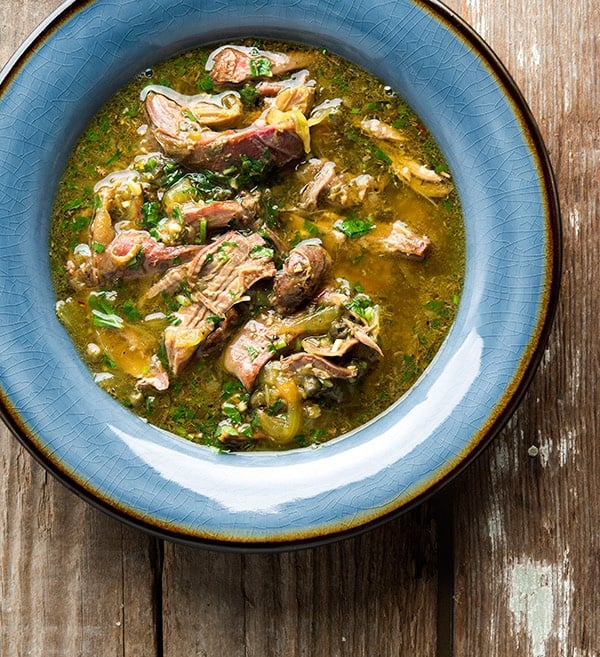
(257, 246)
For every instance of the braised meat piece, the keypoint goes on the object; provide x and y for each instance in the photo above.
(405, 241)
(268, 335)
(186, 139)
(135, 254)
(216, 280)
(250, 350)
(303, 273)
(237, 64)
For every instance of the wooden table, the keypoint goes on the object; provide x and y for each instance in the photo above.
(504, 562)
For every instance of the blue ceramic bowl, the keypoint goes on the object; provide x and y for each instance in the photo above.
(51, 88)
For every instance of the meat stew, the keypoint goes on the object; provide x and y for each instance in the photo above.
(257, 246)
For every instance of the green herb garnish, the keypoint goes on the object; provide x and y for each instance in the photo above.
(353, 227)
(260, 251)
(260, 67)
(103, 314)
(151, 214)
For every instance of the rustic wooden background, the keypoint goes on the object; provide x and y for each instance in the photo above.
(504, 562)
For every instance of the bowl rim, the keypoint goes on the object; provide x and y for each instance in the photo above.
(521, 379)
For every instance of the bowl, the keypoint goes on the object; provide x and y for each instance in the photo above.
(75, 61)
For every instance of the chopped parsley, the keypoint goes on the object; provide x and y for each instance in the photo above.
(252, 352)
(354, 227)
(151, 214)
(102, 306)
(261, 251)
(260, 67)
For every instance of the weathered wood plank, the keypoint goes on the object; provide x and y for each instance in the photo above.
(72, 580)
(203, 603)
(375, 594)
(528, 510)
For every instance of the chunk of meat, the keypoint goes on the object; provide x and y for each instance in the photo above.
(309, 194)
(271, 88)
(191, 220)
(295, 98)
(381, 130)
(250, 350)
(343, 190)
(197, 146)
(346, 190)
(135, 254)
(417, 176)
(231, 255)
(317, 366)
(327, 347)
(218, 110)
(216, 214)
(217, 338)
(302, 274)
(182, 341)
(405, 241)
(235, 64)
(220, 277)
(359, 323)
(276, 145)
(342, 338)
(264, 337)
(421, 179)
(216, 280)
(157, 377)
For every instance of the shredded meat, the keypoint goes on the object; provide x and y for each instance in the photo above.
(135, 253)
(215, 280)
(189, 141)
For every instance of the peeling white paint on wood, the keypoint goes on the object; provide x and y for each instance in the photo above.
(496, 529)
(575, 375)
(536, 56)
(544, 447)
(547, 358)
(574, 219)
(562, 451)
(567, 448)
(529, 60)
(501, 457)
(584, 653)
(540, 601)
(477, 16)
(567, 96)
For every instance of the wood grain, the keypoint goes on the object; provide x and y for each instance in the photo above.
(73, 581)
(503, 562)
(528, 511)
(374, 592)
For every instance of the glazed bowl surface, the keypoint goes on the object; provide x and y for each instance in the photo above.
(49, 91)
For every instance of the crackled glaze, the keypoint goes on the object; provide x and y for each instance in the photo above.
(163, 483)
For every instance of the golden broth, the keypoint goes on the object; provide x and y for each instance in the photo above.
(416, 299)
